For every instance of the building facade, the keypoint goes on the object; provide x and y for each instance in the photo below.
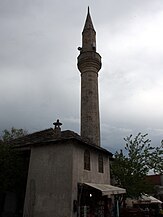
(59, 169)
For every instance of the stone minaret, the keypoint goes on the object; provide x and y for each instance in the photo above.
(89, 63)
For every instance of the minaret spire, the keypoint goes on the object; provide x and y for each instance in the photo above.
(88, 22)
(88, 34)
(89, 63)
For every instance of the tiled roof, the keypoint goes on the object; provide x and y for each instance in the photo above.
(49, 135)
(42, 136)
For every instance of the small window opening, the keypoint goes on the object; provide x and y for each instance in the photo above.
(100, 164)
(87, 160)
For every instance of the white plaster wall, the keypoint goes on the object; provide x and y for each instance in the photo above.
(54, 172)
(93, 176)
(49, 183)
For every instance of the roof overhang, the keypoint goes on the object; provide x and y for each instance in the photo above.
(107, 189)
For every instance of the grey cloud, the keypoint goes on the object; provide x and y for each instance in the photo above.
(40, 80)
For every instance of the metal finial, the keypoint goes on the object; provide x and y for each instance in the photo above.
(57, 124)
(88, 9)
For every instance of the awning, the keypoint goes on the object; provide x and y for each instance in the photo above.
(107, 189)
(149, 199)
(144, 199)
(154, 200)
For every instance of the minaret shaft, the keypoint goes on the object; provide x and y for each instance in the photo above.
(89, 63)
(90, 120)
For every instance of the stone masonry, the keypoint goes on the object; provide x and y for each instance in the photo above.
(89, 63)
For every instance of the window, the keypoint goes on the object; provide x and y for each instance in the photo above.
(100, 164)
(87, 160)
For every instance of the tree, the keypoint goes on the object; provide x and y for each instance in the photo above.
(130, 168)
(11, 161)
(14, 133)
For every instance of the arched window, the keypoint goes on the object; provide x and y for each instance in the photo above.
(100, 164)
(87, 160)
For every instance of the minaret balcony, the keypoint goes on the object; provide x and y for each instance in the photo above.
(87, 59)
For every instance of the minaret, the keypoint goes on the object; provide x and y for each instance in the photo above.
(89, 63)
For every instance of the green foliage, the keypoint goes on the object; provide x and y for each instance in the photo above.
(11, 161)
(12, 134)
(130, 169)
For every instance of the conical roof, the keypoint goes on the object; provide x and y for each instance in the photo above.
(88, 22)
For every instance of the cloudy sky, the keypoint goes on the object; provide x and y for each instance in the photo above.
(39, 79)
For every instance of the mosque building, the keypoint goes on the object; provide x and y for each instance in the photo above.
(69, 174)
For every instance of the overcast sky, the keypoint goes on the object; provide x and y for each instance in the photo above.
(39, 79)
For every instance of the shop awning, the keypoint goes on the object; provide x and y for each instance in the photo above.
(154, 200)
(107, 189)
(145, 198)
